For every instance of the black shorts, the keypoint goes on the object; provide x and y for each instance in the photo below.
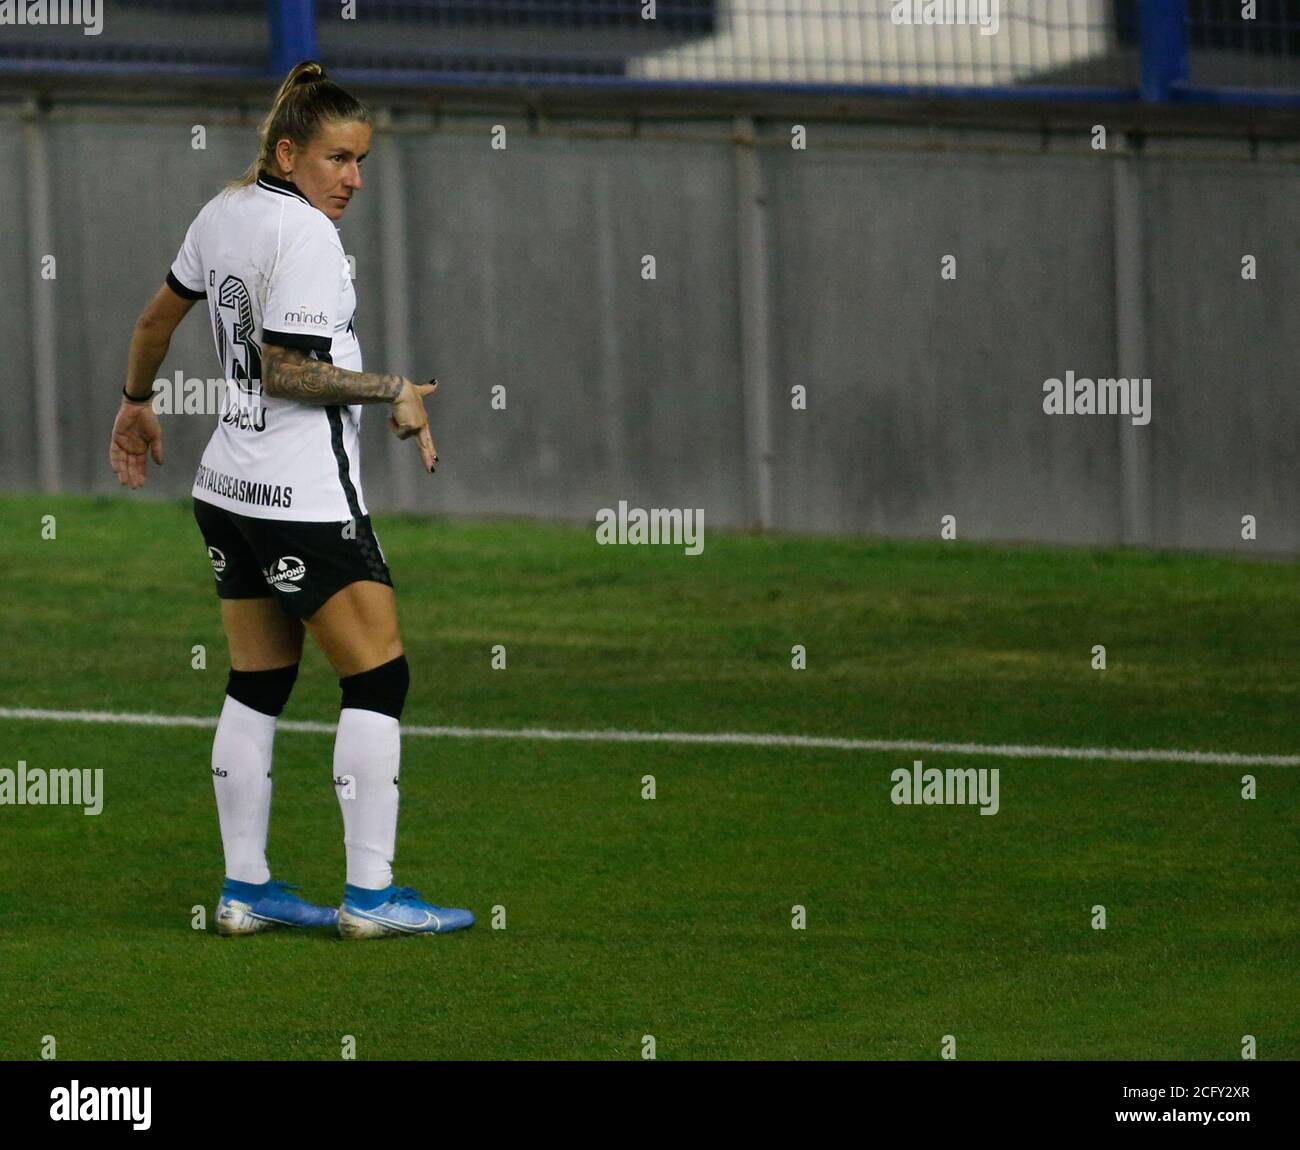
(300, 564)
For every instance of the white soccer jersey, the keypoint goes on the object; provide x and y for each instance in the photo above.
(273, 271)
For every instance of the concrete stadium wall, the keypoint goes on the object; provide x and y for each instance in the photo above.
(775, 268)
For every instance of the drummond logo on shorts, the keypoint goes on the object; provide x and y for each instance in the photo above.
(218, 561)
(284, 573)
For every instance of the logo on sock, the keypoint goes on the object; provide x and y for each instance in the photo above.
(222, 774)
(285, 572)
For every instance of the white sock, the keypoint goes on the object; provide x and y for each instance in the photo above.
(368, 751)
(241, 777)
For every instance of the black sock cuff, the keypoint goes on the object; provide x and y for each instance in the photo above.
(264, 691)
(381, 689)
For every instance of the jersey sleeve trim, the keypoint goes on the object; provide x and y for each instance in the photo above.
(181, 290)
(317, 343)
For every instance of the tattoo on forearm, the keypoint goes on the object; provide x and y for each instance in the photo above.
(288, 373)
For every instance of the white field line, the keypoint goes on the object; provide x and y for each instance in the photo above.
(816, 742)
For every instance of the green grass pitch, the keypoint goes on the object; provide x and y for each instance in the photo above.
(671, 917)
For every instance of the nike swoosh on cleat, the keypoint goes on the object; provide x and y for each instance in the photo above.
(409, 928)
(286, 921)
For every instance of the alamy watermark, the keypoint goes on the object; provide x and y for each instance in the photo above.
(237, 401)
(952, 12)
(929, 786)
(1083, 396)
(674, 525)
(88, 13)
(64, 788)
(77, 1103)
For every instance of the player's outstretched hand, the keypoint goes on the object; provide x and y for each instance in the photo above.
(410, 419)
(136, 433)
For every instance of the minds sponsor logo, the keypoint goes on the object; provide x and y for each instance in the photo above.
(307, 318)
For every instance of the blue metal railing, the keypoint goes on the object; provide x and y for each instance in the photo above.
(1154, 51)
(293, 34)
(1162, 34)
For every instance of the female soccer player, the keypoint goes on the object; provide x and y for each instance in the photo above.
(278, 500)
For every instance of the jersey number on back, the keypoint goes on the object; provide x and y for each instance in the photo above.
(239, 351)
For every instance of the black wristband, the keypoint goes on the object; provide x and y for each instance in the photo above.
(132, 398)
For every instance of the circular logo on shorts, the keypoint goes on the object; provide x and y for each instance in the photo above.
(284, 573)
(218, 561)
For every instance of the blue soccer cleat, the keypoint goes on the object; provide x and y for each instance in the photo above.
(239, 912)
(400, 910)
